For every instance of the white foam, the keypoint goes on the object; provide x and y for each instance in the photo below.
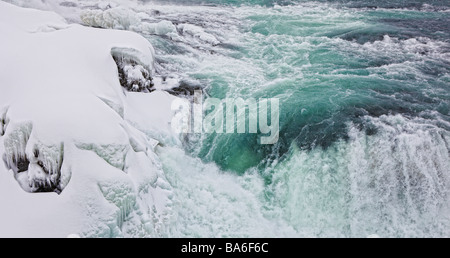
(393, 183)
(210, 203)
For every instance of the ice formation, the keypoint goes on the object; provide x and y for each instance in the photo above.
(133, 76)
(113, 18)
(68, 127)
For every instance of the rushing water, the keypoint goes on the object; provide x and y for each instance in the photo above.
(364, 89)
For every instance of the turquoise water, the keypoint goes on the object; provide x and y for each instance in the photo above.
(364, 89)
(330, 68)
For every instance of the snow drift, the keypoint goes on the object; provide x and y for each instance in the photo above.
(69, 128)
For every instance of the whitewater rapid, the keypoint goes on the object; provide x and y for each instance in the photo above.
(365, 127)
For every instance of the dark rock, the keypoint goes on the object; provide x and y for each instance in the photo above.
(185, 89)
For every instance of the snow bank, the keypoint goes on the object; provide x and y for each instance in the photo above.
(69, 130)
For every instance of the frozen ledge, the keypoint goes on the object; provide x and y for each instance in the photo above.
(68, 127)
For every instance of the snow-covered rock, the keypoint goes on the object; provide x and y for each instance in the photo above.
(114, 18)
(70, 131)
(123, 18)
